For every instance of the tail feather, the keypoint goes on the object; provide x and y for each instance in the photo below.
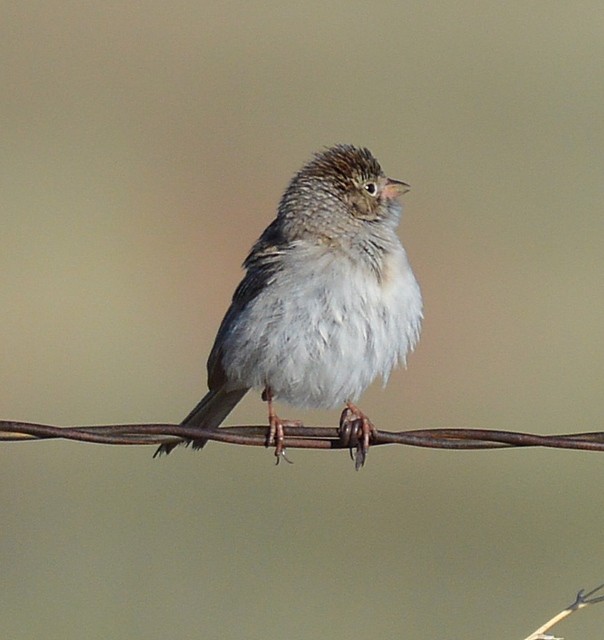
(209, 413)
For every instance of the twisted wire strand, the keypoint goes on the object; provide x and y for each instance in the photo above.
(299, 437)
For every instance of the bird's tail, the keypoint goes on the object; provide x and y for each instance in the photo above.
(209, 413)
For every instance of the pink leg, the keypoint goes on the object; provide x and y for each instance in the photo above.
(276, 434)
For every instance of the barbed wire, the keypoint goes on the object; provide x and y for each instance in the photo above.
(299, 437)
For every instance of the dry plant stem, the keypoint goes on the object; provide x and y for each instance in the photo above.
(582, 600)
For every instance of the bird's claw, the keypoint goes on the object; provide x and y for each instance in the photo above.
(357, 430)
(280, 454)
(276, 435)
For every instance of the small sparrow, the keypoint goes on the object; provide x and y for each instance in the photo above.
(328, 301)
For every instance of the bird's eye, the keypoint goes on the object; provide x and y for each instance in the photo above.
(371, 188)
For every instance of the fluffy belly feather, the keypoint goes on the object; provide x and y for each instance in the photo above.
(323, 343)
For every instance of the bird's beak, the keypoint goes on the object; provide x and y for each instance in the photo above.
(394, 188)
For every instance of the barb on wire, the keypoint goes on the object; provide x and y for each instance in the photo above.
(299, 437)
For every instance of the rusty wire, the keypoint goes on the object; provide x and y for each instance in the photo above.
(299, 437)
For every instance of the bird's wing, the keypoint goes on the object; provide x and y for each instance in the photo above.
(263, 262)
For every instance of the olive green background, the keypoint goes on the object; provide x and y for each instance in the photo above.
(144, 146)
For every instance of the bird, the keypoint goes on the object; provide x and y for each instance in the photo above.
(328, 301)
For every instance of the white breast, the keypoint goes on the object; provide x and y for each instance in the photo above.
(325, 328)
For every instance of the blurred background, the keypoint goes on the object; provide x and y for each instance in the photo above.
(144, 148)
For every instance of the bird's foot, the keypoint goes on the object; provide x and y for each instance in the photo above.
(276, 434)
(356, 428)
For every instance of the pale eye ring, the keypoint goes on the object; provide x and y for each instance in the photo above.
(371, 188)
